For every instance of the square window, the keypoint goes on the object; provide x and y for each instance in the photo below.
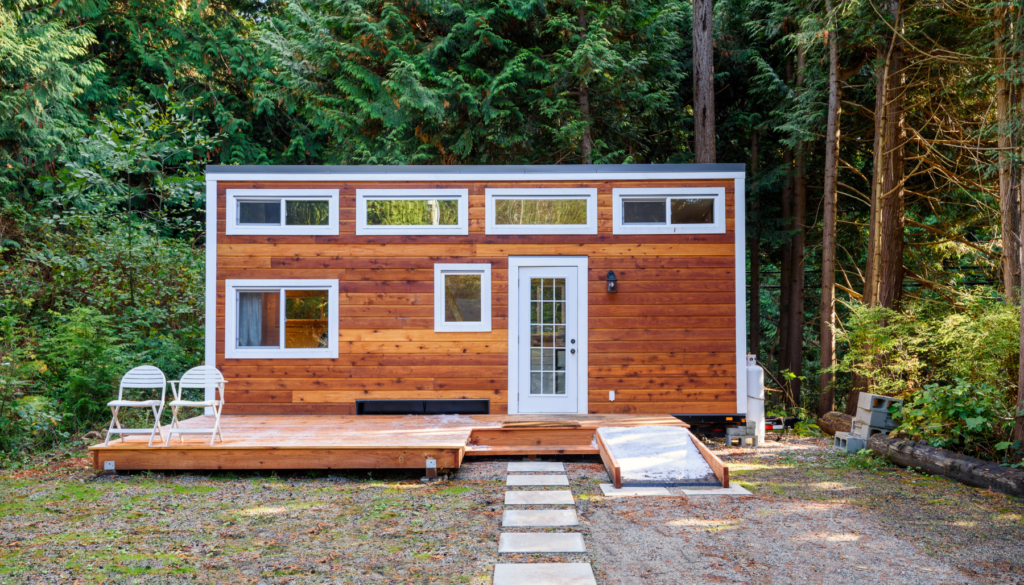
(682, 210)
(281, 319)
(412, 212)
(299, 212)
(558, 211)
(462, 297)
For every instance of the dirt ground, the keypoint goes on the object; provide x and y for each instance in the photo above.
(818, 516)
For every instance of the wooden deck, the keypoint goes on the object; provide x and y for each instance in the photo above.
(365, 442)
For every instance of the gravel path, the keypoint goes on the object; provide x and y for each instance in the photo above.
(818, 516)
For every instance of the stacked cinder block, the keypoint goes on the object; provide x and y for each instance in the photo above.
(745, 436)
(873, 417)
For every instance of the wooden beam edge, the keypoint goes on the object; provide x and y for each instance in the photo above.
(609, 461)
(720, 470)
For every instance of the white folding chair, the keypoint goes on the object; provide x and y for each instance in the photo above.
(141, 377)
(199, 377)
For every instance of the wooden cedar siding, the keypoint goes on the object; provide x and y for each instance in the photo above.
(666, 342)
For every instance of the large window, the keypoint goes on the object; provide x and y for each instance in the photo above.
(541, 211)
(462, 297)
(439, 212)
(281, 318)
(668, 211)
(298, 212)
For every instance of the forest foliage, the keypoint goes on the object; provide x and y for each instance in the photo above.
(110, 108)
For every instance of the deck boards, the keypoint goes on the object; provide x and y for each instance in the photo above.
(360, 442)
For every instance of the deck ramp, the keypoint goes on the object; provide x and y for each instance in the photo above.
(648, 456)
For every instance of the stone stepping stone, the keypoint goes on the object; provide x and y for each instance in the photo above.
(733, 490)
(539, 518)
(521, 480)
(544, 574)
(609, 491)
(539, 498)
(536, 466)
(540, 542)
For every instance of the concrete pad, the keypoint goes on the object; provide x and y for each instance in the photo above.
(734, 490)
(544, 574)
(540, 466)
(609, 491)
(518, 480)
(539, 518)
(532, 498)
(540, 542)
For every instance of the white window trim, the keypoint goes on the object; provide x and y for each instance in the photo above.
(231, 290)
(589, 194)
(460, 195)
(619, 195)
(233, 228)
(484, 270)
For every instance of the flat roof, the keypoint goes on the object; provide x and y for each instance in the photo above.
(470, 169)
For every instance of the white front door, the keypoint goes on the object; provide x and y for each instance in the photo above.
(548, 342)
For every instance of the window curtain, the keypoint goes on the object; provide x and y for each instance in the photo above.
(250, 319)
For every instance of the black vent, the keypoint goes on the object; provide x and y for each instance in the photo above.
(455, 406)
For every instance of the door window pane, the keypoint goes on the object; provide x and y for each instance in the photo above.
(412, 212)
(462, 297)
(540, 212)
(686, 211)
(259, 212)
(306, 212)
(258, 316)
(643, 211)
(547, 334)
(305, 316)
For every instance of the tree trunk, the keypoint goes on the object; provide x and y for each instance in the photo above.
(785, 274)
(1018, 423)
(587, 141)
(888, 252)
(755, 250)
(786, 279)
(1007, 193)
(832, 422)
(884, 274)
(797, 254)
(703, 82)
(826, 400)
(967, 470)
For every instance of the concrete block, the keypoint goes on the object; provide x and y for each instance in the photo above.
(863, 431)
(733, 490)
(521, 480)
(609, 491)
(540, 542)
(539, 498)
(876, 418)
(741, 437)
(876, 402)
(544, 574)
(536, 466)
(849, 442)
(539, 518)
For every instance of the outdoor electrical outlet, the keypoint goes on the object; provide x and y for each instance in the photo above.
(108, 466)
(611, 395)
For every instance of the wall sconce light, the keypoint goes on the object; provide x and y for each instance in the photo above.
(612, 281)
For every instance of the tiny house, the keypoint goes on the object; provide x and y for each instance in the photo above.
(589, 289)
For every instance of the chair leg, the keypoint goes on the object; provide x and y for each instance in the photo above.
(174, 425)
(216, 425)
(156, 425)
(110, 429)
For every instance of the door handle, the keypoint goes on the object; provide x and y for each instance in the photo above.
(572, 341)
(572, 351)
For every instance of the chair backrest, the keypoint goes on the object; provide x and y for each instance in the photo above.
(202, 377)
(142, 377)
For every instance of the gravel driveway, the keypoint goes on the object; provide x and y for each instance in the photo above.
(818, 516)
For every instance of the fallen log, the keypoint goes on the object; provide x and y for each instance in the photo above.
(832, 422)
(968, 470)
